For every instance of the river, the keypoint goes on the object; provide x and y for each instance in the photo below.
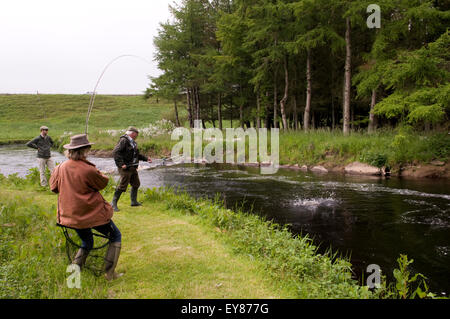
(372, 219)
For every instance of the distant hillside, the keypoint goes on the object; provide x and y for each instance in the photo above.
(23, 114)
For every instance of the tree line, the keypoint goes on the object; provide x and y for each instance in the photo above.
(306, 64)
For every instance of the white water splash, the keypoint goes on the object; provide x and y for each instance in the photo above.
(312, 204)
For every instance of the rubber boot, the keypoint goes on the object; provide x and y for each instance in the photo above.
(133, 195)
(116, 198)
(111, 258)
(80, 257)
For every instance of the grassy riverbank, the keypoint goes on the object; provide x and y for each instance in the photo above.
(394, 148)
(166, 254)
(174, 246)
(23, 114)
(398, 149)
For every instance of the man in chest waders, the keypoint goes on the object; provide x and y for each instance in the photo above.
(127, 157)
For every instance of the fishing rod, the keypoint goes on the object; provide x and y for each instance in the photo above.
(39, 102)
(162, 162)
(94, 92)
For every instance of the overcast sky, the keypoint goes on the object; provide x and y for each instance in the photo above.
(62, 46)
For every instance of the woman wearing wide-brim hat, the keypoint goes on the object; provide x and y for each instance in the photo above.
(81, 206)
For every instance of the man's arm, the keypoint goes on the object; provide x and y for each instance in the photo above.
(142, 157)
(51, 141)
(33, 143)
(118, 153)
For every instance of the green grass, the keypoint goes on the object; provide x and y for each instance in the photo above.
(173, 247)
(387, 147)
(165, 254)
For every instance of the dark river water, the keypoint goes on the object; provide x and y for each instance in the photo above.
(373, 220)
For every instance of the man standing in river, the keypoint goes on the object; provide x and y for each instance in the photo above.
(43, 143)
(127, 157)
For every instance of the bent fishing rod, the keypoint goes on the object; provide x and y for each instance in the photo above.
(94, 92)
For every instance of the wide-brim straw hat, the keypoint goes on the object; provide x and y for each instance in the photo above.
(78, 141)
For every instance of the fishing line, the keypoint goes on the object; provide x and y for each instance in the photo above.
(39, 103)
(91, 102)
